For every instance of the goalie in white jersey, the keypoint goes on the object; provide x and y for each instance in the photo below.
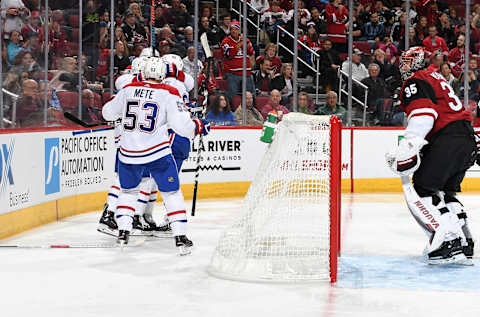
(147, 110)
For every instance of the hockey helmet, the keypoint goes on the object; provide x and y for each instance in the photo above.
(138, 65)
(412, 60)
(173, 59)
(155, 69)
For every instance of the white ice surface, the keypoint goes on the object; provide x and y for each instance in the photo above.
(381, 272)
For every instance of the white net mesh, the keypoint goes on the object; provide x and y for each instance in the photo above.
(282, 233)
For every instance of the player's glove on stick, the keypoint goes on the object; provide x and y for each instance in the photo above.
(202, 126)
(405, 160)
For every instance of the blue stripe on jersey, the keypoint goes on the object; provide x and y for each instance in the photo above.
(145, 155)
(110, 194)
(141, 201)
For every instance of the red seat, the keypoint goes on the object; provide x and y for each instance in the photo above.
(68, 99)
(75, 34)
(236, 101)
(261, 101)
(363, 46)
(71, 48)
(343, 56)
(73, 20)
(222, 84)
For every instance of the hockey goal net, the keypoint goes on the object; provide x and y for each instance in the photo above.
(289, 226)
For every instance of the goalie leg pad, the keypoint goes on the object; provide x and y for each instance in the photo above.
(434, 217)
(176, 211)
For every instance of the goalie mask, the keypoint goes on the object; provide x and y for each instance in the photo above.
(412, 60)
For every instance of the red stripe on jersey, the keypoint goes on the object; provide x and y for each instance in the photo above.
(144, 193)
(176, 213)
(170, 89)
(126, 207)
(155, 146)
(116, 187)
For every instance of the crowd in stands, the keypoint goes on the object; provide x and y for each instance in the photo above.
(379, 39)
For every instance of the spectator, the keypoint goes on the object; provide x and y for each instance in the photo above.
(397, 31)
(273, 17)
(452, 80)
(260, 5)
(304, 15)
(385, 15)
(212, 86)
(207, 12)
(119, 36)
(273, 104)
(332, 108)
(133, 32)
(413, 40)
(233, 61)
(13, 12)
(205, 27)
(177, 16)
(24, 62)
(284, 83)
(389, 48)
(14, 46)
(188, 41)
(90, 114)
(33, 25)
(302, 103)
(28, 102)
(329, 64)
(188, 62)
(337, 17)
(387, 69)
(473, 65)
(164, 47)
(311, 41)
(120, 60)
(358, 25)
(456, 57)
(435, 62)
(223, 30)
(452, 16)
(139, 19)
(445, 30)
(434, 43)
(359, 71)
(376, 90)
(52, 97)
(253, 116)
(263, 77)
(374, 30)
(271, 54)
(65, 79)
(421, 28)
(220, 113)
(319, 23)
(473, 85)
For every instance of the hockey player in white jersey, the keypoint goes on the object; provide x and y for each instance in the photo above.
(146, 109)
(107, 223)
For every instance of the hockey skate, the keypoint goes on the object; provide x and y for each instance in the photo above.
(107, 223)
(449, 252)
(184, 245)
(468, 250)
(123, 237)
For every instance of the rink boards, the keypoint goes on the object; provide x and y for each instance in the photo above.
(54, 173)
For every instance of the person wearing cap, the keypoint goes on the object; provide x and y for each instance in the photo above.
(359, 71)
(232, 47)
(133, 32)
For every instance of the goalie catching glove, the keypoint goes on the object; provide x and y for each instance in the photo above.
(405, 160)
(202, 126)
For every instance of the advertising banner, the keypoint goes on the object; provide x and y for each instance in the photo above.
(43, 166)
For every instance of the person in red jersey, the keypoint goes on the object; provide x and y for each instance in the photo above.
(437, 148)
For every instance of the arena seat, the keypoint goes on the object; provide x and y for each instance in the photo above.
(260, 102)
(222, 84)
(236, 101)
(73, 20)
(363, 46)
(68, 99)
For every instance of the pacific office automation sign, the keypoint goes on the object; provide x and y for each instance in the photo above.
(43, 166)
(78, 163)
(227, 155)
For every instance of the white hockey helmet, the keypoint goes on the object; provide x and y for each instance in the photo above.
(173, 59)
(155, 69)
(138, 65)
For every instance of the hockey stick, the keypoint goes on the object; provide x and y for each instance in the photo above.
(80, 122)
(209, 56)
(133, 243)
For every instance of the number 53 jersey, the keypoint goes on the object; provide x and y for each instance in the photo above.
(147, 109)
(427, 93)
